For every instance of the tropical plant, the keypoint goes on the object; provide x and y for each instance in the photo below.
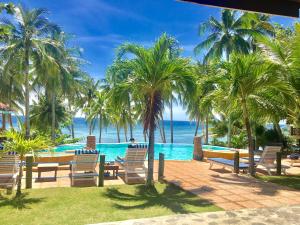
(18, 143)
(232, 33)
(42, 115)
(153, 71)
(99, 110)
(29, 42)
(5, 29)
(260, 99)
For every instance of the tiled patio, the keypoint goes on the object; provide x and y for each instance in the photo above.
(227, 190)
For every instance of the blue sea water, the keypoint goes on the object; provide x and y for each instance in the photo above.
(183, 132)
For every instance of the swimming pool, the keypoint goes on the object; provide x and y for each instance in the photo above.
(171, 151)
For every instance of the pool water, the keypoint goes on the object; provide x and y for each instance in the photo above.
(171, 151)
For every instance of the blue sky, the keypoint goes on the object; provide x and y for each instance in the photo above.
(99, 26)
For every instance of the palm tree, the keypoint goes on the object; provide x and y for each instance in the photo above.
(42, 114)
(232, 33)
(117, 73)
(235, 93)
(29, 40)
(89, 89)
(152, 72)
(99, 110)
(5, 30)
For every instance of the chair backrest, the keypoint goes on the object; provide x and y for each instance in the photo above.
(9, 164)
(269, 154)
(135, 157)
(85, 162)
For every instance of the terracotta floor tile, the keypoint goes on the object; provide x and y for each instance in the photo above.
(234, 198)
(269, 203)
(229, 206)
(250, 204)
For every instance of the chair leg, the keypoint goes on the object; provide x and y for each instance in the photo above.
(211, 165)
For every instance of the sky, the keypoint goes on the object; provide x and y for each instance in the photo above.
(100, 26)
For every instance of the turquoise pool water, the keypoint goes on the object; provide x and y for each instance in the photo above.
(171, 151)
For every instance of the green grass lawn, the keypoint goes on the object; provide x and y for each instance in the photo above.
(290, 181)
(95, 205)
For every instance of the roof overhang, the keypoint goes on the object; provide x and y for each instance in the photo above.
(288, 8)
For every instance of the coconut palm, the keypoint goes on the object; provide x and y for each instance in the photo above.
(89, 89)
(235, 93)
(41, 114)
(29, 41)
(5, 29)
(117, 73)
(231, 33)
(99, 110)
(153, 72)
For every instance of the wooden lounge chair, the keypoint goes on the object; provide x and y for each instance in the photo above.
(268, 158)
(227, 163)
(9, 170)
(133, 164)
(83, 167)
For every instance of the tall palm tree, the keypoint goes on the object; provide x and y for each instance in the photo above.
(152, 72)
(89, 89)
(30, 39)
(117, 73)
(99, 110)
(231, 33)
(235, 93)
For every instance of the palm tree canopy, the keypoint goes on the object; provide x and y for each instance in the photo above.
(153, 72)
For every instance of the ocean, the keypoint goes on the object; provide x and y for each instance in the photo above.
(183, 131)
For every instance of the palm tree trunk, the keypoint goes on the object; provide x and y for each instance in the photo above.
(26, 71)
(10, 102)
(72, 120)
(118, 133)
(206, 130)
(197, 126)
(279, 131)
(130, 119)
(19, 180)
(10, 121)
(229, 133)
(250, 138)
(145, 136)
(3, 121)
(72, 128)
(53, 117)
(125, 133)
(151, 155)
(100, 128)
(171, 120)
(163, 127)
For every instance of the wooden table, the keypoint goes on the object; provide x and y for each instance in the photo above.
(114, 168)
(47, 167)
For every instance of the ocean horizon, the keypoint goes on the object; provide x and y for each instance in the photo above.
(183, 131)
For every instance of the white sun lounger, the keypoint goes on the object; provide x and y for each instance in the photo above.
(133, 164)
(9, 170)
(83, 167)
(268, 158)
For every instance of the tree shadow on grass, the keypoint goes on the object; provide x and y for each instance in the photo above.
(21, 202)
(172, 197)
